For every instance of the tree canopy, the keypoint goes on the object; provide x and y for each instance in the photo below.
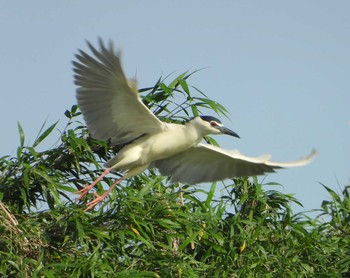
(149, 227)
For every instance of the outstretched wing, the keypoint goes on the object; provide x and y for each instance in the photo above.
(109, 102)
(207, 163)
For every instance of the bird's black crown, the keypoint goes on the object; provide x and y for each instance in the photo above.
(210, 118)
(207, 119)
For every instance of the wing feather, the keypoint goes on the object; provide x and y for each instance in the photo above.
(109, 102)
(207, 163)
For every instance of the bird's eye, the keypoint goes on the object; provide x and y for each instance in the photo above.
(212, 123)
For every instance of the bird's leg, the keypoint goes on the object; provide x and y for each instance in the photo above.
(99, 198)
(84, 191)
(130, 173)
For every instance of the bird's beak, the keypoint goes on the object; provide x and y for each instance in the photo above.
(228, 131)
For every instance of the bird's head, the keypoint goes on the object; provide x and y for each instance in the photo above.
(211, 125)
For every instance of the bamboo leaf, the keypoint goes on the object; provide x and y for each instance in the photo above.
(43, 135)
(21, 134)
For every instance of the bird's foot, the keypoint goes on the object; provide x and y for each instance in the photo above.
(97, 199)
(84, 191)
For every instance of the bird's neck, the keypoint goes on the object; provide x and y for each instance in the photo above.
(196, 134)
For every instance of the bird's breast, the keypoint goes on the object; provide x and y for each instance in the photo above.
(174, 140)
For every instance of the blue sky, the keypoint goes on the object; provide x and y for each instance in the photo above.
(282, 69)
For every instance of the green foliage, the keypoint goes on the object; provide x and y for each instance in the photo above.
(148, 227)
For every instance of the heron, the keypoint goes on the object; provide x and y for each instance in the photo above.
(114, 111)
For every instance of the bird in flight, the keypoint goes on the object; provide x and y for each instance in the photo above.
(113, 111)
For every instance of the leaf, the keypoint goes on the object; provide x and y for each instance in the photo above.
(135, 231)
(146, 189)
(210, 195)
(334, 195)
(175, 82)
(243, 246)
(184, 86)
(21, 134)
(39, 139)
(19, 152)
(169, 224)
(194, 110)
(187, 241)
(165, 89)
(68, 114)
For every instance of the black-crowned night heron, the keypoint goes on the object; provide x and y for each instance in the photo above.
(114, 111)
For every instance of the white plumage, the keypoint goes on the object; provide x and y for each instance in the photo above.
(114, 111)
